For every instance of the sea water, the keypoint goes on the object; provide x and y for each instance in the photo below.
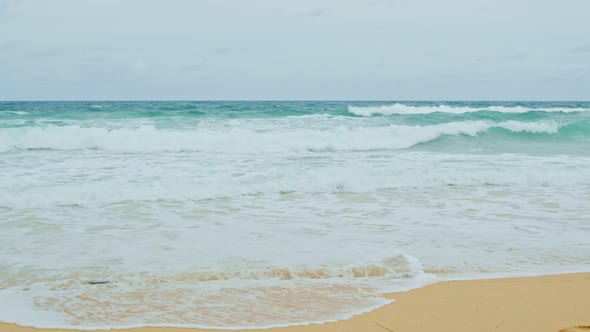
(256, 214)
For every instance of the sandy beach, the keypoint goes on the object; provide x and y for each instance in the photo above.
(544, 303)
(294, 166)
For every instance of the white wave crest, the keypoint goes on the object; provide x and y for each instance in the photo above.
(406, 109)
(16, 112)
(240, 140)
(547, 127)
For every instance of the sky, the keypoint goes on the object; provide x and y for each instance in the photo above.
(294, 50)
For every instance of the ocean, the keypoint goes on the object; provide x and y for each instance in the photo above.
(258, 214)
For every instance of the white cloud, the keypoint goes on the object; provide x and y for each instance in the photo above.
(264, 49)
(585, 48)
(6, 4)
(315, 13)
(222, 50)
(139, 66)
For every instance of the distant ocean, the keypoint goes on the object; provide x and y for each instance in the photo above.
(256, 214)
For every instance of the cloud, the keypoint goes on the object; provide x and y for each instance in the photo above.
(368, 43)
(26, 50)
(42, 53)
(315, 13)
(10, 45)
(97, 48)
(139, 66)
(222, 50)
(505, 55)
(494, 10)
(6, 4)
(194, 67)
(92, 53)
(512, 56)
(580, 49)
(97, 58)
(387, 3)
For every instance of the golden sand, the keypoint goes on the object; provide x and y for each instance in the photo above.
(533, 304)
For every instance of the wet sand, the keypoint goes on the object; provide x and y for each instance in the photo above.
(545, 303)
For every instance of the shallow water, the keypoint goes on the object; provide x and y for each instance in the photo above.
(250, 214)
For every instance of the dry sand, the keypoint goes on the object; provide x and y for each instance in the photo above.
(547, 303)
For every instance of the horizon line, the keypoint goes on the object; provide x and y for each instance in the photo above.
(292, 100)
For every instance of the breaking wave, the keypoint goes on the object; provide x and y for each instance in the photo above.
(402, 109)
(249, 140)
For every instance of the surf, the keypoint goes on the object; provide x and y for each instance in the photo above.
(246, 138)
(403, 109)
(246, 204)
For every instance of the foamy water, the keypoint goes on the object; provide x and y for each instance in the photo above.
(243, 215)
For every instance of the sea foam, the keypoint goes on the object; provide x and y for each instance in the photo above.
(236, 215)
(407, 109)
(237, 139)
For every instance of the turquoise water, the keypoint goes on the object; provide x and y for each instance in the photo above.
(196, 210)
(472, 127)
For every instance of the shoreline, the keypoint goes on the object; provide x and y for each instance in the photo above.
(540, 303)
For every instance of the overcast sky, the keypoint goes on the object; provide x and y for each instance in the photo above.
(303, 49)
